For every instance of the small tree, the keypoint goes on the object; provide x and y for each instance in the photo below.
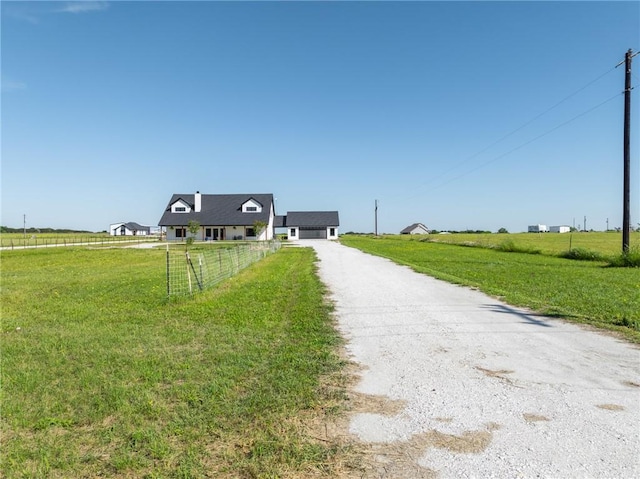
(502, 230)
(259, 227)
(193, 227)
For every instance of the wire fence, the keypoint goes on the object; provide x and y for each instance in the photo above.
(34, 241)
(189, 272)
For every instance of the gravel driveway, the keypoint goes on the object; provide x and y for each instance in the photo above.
(477, 388)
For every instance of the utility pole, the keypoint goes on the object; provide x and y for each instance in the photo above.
(24, 226)
(626, 195)
(584, 228)
(607, 224)
(376, 220)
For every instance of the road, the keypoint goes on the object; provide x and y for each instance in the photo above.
(462, 385)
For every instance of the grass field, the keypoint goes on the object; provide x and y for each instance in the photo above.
(103, 376)
(607, 244)
(583, 291)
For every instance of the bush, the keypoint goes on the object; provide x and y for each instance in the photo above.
(509, 246)
(582, 254)
(627, 260)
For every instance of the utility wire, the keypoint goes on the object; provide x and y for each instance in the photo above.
(501, 139)
(534, 118)
(482, 165)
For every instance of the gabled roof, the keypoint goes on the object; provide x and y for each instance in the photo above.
(312, 218)
(131, 225)
(218, 210)
(412, 227)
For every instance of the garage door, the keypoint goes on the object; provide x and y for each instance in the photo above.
(313, 233)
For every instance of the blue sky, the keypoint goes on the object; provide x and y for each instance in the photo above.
(459, 115)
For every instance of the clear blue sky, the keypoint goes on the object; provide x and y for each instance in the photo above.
(108, 108)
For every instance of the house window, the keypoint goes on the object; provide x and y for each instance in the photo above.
(180, 209)
(292, 232)
(332, 231)
(181, 232)
(250, 232)
(252, 208)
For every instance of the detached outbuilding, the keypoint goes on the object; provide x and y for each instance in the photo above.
(415, 229)
(129, 229)
(559, 229)
(302, 225)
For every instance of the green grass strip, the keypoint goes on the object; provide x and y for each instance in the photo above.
(104, 377)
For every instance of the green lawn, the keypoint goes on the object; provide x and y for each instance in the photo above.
(103, 376)
(583, 291)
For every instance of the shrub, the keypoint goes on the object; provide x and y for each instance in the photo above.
(582, 254)
(627, 260)
(509, 246)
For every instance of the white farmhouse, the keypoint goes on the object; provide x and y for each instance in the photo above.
(220, 217)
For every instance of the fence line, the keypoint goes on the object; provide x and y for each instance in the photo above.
(43, 242)
(192, 271)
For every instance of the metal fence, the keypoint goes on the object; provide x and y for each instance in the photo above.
(34, 241)
(189, 272)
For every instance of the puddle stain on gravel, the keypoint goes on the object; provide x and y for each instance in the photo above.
(399, 460)
(529, 417)
(499, 374)
(633, 384)
(611, 407)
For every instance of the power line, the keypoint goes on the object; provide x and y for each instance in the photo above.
(527, 123)
(482, 165)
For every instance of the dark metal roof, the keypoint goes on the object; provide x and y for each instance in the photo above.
(133, 226)
(218, 210)
(280, 222)
(312, 218)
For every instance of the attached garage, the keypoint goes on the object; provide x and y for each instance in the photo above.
(310, 232)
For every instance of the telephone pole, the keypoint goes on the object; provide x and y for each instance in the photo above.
(626, 195)
(376, 219)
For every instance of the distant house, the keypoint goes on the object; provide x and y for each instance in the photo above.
(559, 229)
(538, 229)
(221, 217)
(303, 225)
(415, 229)
(129, 229)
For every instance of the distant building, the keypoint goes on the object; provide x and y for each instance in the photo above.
(538, 229)
(560, 229)
(415, 229)
(129, 229)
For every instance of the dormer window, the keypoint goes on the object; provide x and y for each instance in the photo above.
(180, 206)
(251, 206)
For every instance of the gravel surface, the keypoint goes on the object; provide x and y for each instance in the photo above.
(486, 390)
